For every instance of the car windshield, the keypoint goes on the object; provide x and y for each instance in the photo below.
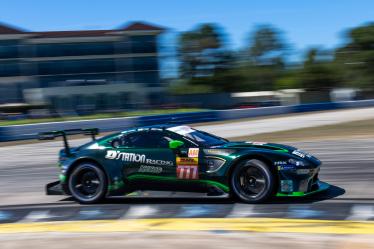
(200, 137)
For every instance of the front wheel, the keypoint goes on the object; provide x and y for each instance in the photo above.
(87, 183)
(252, 181)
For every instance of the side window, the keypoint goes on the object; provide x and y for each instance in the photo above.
(148, 139)
(186, 141)
(138, 139)
(120, 141)
(159, 139)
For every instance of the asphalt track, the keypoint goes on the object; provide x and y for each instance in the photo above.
(347, 164)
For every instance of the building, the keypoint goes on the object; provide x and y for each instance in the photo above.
(81, 70)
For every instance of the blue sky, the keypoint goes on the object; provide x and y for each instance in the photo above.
(305, 23)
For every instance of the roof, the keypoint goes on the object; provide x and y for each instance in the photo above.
(151, 127)
(141, 26)
(9, 30)
(77, 33)
(133, 26)
(170, 127)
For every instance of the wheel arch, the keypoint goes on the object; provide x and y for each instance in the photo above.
(260, 157)
(88, 160)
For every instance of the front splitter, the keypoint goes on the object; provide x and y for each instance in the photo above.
(322, 186)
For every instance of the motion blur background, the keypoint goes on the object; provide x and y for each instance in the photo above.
(81, 58)
(212, 60)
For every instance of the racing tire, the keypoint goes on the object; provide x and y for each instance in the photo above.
(252, 181)
(87, 183)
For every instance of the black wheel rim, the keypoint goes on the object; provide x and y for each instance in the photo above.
(86, 183)
(251, 181)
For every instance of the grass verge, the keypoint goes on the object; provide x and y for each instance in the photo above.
(98, 116)
(362, 129)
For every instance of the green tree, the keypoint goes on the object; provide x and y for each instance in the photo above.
(318, 72)
(264, 59)
(266, 45)
(202, 52)
(355, 60)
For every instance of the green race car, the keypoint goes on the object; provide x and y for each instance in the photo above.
(180, 158)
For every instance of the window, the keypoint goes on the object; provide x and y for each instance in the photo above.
(145, 63)
(200, 137)
(8, 52)
(146, 139)
(159, 139)
(8, 49)
(9, 69)
(76, 66)
(205, 138)
(75, 49)
(143, 44)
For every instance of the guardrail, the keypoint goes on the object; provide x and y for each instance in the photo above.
(30, 131)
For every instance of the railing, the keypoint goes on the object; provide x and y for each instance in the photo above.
(30, 131)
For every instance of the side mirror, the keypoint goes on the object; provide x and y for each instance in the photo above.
(175, 144)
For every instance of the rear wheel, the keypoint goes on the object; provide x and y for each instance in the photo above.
(252, 181)
(87, 183)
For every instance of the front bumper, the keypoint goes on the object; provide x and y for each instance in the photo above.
(321, 186)
(298, 180)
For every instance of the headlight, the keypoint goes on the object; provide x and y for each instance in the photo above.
(214, 163)
(296, 162)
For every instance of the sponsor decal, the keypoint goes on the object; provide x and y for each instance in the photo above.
(159, 162)
(187, 161)
(187, 172)
(126, 157)
(187, 168)
(286, 167)
(193, 152)
(224, 152)
(299, 153)
(286, 186)
(149, 169)
(280, 163)
(137, 158)
(304, 171)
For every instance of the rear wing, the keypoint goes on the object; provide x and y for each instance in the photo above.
(51, 135)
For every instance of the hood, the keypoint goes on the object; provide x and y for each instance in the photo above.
(257, 145)
(291, 151)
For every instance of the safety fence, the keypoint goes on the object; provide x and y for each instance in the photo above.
(30, 131)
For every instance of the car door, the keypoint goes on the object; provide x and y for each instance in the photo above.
(146, 159)
(148, 162)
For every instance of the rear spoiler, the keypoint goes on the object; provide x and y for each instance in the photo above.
(51, 135)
